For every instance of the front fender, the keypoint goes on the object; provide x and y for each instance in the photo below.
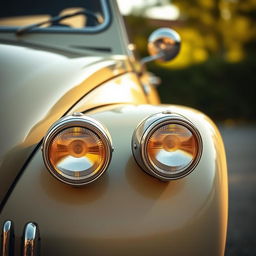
(128, 212)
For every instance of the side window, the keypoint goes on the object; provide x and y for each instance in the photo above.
(75, 14)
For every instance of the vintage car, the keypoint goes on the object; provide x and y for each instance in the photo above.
(91, 162)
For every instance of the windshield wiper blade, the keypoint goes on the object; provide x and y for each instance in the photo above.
(55, 19)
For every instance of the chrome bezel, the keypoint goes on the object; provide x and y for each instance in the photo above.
(77, 120)
(144, 131)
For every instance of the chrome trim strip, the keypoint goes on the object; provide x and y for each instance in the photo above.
(31, 240)
(81, 120)
(143, 132)
(7, 248)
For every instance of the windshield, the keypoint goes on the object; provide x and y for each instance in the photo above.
(15, 13)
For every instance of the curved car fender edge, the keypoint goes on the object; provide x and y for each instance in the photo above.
(127, 206)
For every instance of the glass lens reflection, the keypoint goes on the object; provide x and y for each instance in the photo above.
(172, 148)
(77, 152)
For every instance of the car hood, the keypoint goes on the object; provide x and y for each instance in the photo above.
(37, 88)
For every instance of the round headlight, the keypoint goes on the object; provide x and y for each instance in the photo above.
(77, 149)
(167, 146)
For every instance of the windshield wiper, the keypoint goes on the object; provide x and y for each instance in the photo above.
(56, 19)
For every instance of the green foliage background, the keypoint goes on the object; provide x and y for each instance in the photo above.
(216, 69)
(220, 89)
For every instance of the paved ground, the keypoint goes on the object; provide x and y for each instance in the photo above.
(240, 143)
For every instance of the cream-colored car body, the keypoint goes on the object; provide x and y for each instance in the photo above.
(126, 211)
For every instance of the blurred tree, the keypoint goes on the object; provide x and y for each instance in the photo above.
(215, 70)
(226, 26)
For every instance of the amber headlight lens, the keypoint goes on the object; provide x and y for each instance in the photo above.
(77, 150)
(167, 146)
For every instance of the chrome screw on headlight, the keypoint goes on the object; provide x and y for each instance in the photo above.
(77, 149)
(167, 146)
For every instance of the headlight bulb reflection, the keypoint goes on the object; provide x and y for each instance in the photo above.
(78, 150)
(168, 146)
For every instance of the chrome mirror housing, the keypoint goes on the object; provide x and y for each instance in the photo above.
(163, 44)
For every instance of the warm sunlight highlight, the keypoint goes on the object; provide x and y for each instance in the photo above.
(172, 147)
(77, 151)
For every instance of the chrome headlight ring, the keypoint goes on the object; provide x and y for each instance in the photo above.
(156, 124)
(88, 129)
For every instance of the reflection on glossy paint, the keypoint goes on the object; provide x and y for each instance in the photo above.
(123, 89)
(67, 80)
(136, 206)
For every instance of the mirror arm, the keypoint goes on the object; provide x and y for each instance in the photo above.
(147, 59)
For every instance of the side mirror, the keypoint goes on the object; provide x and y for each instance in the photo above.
(163, 45)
